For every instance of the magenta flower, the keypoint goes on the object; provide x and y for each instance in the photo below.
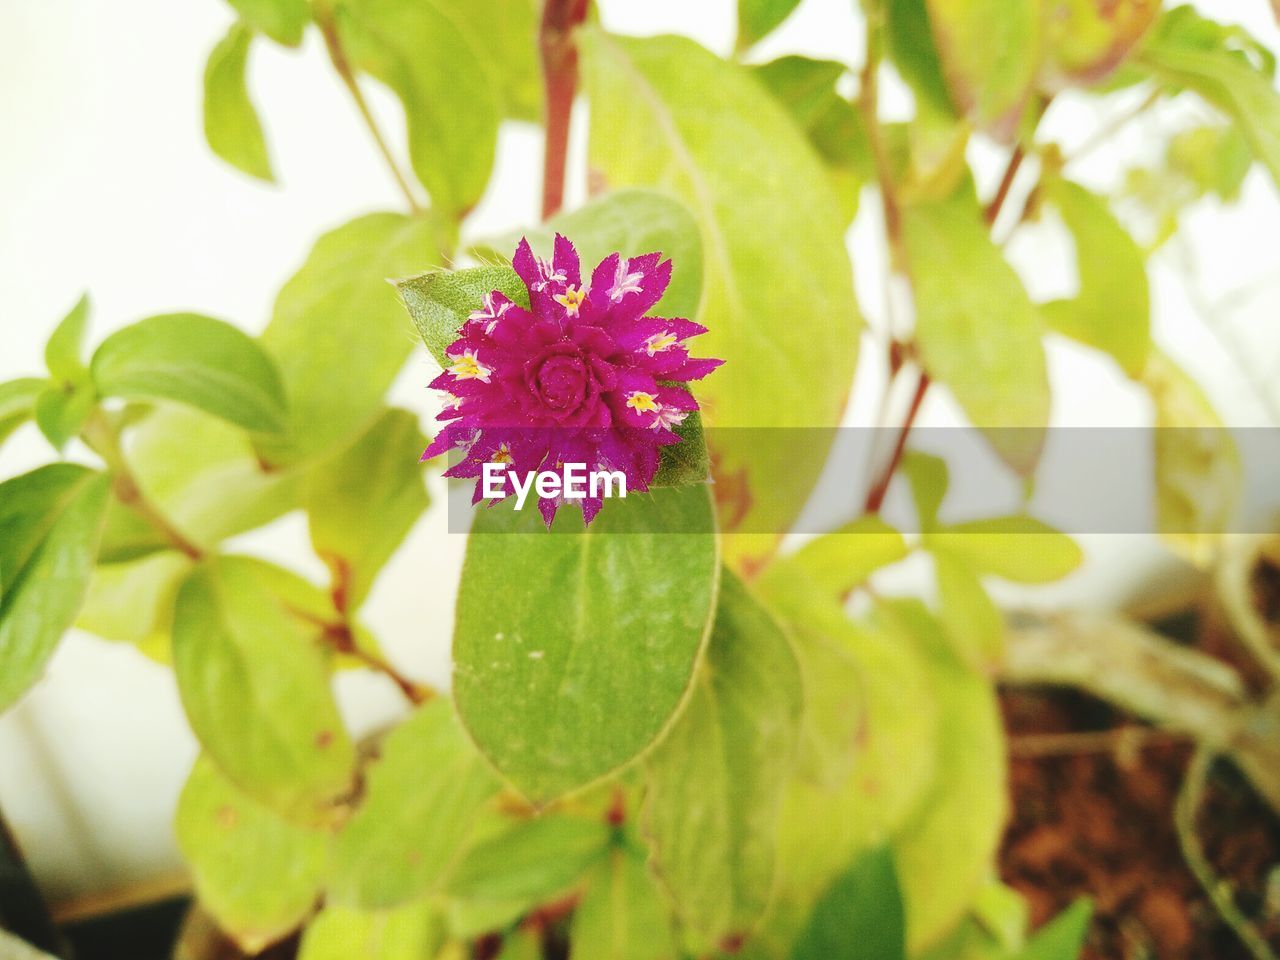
(583, 376)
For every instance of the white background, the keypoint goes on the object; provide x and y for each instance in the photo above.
(106, 185)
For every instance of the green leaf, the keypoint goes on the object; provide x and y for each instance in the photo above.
(194, 360)
(50, 521)
(928, 476)
(839, 561)
(231, 124)
(833, 715)
(205, 476)
(436, 65)
(977, 330)
(127, 535)
(421, 797)
(653, 125)
(281, 20)
(909, 39)
(632, 222)
(254, 682)
(967, 612)
(507, 31)
(362, 502)
(62, 354)
(1112, 311)
(1085, 40)
(990, 52)
(758, 18)
(18, 403)
(717, 781)
(338, 335)
(1018, 548)
(1062, 938)
(946, 851)
(61, 411)
(258, 874)
(411, 932)
(860, 916)
(440, 301)
(133, 602)
(622, 915)
(531, 862)
(1198, 471)
(1220, 64)
(833, 125)
(562, 686)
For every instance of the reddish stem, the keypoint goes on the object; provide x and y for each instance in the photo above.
(560, 79)
(876, 495)
(1006, 183)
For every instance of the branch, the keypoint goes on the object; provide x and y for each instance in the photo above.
(102, 439)
(338, 57)
(560, 80)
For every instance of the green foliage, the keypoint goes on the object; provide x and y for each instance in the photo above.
(989, 52)
(199, 361)
(758, 18)
(133, 602)
(1112, 309)
(717, 781)
(977, 330)
(440, 301)
(654, 125)
(281, 20)
(405, 933)
(1086, 41)
(1198, 469)
(337, 333)
(362, 501)
(563, 685)
(1017, 548)
(433, 56)
(532, 861)
(254, 684)
(946, 849)
(18, 403)
(835, 128)
(1225, 66)
(50, 521)
(231, 124)
(421, 797)
(622, 915)
(258, 874)
(860, 916)
(63, 354)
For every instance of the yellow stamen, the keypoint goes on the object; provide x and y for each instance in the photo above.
(467, 367)
(660, 341)
(642, 402)
(571, 299)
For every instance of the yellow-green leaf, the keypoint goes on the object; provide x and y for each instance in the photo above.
(668, 113)
(421, 797)
(622, 915)
(1112, 309)
(718, 779)
(231, 124)
(257, 874)
(281, 20)
(1086, 40)
(254, 681)
(1018, 548)
(978, 332)
(412, 932)
(338, 334)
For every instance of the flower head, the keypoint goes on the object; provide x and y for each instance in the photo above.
(582, 376)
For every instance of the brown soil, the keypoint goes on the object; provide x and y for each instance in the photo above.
(1099, 823)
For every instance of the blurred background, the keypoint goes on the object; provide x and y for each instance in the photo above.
(107, 186)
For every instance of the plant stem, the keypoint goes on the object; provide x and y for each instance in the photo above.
(102, 439)
(1006, 182)
(338, 57)
(560, 83)
(1217, 888)
(869, 101)
(876, 495)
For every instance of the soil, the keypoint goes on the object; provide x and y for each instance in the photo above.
(1099, 823)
